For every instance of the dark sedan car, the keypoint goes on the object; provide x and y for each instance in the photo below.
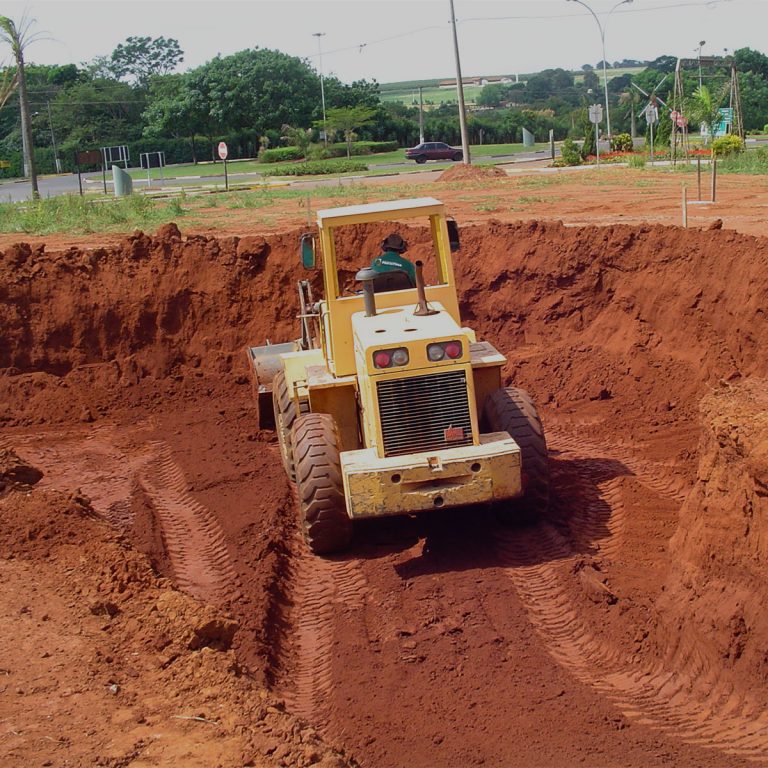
(433, 150)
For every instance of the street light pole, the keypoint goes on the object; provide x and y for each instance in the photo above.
(602, 40)
(460, 91)
(702, 43)
(319, 35)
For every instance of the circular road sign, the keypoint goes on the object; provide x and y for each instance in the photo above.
(223, 151)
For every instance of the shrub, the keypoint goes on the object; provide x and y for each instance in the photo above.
(280, 155)
(637, 161)
(622, 142)
(765, 128)
(570, 153)
(317, 168)
(727, 145)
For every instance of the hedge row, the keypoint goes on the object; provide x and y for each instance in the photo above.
(317, 168)
(286, 154)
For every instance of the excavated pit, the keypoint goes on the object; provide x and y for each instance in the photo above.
(123, 374)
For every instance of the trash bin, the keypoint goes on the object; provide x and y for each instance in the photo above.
(122, 181)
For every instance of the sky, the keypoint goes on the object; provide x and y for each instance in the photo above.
(394, 40)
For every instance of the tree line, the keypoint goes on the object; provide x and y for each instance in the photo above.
(261, 98)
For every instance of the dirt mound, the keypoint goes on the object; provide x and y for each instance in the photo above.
(121, 632)
(15, 472)
(472, 173)
(716, 592)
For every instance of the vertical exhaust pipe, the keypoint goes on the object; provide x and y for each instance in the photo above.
(423, 308)
(366, 276)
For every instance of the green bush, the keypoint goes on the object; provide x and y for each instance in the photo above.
(727, 145)
(622, 142)
(570, 153)
(765, 128)
(637, 161)
(318, 168)
(280, 155)
(339, 149)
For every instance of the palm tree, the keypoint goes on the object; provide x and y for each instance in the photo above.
(704, 108)
(631, 98)
(7, 85)
(19, 38)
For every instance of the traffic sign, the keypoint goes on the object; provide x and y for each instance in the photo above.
(651, 114)
(223, 151)
(596, 113)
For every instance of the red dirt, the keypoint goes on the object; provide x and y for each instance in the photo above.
(625, 629)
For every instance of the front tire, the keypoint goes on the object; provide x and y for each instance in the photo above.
(420, 160)
(512, 410)
(458, 156)
(286, 413)
(322, 507)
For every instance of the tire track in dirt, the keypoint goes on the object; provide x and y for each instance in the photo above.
(317, 586)
(686, 695)
(194, 538)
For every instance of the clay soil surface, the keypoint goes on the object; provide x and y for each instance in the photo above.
(160, 607)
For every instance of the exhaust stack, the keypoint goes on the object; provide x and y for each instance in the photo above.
(423, 308)
(366, 276)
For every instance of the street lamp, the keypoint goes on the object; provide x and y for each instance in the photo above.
(702, 43)
(319, 35)
(602, 39)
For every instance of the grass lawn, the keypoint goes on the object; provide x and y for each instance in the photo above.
(483, 153)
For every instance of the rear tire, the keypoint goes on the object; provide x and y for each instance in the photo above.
(322, 507)
(512, 410)
(286, 414)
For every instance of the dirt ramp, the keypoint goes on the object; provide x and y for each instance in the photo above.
(716, 591)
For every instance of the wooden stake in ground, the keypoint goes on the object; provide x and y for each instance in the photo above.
(685, 207)
(698, 177)
(714, 178)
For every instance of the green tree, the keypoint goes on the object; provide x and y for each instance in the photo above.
(631, 99)
(297, 137)
(139, 58)
(703, 108)
(19, 38)
(749, 60)
(171, 110)
(346, 120)
(97, 113)
(754, 100)
(8, 85)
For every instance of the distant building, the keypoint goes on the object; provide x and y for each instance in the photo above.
(479, 81)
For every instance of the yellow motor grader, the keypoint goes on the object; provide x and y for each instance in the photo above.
(387, 405)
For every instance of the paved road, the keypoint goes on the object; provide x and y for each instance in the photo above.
(66, 184)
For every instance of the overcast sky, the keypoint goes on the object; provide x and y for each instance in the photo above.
(393, 40)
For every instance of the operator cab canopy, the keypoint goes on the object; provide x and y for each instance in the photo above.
(388, 237)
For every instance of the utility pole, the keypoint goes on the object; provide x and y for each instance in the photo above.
(421, 115)
(53, 139)
(460, 91)
(319, 35)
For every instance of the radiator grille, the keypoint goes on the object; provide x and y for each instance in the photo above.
(424, 413)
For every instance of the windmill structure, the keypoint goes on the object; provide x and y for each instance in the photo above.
(718, 71)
